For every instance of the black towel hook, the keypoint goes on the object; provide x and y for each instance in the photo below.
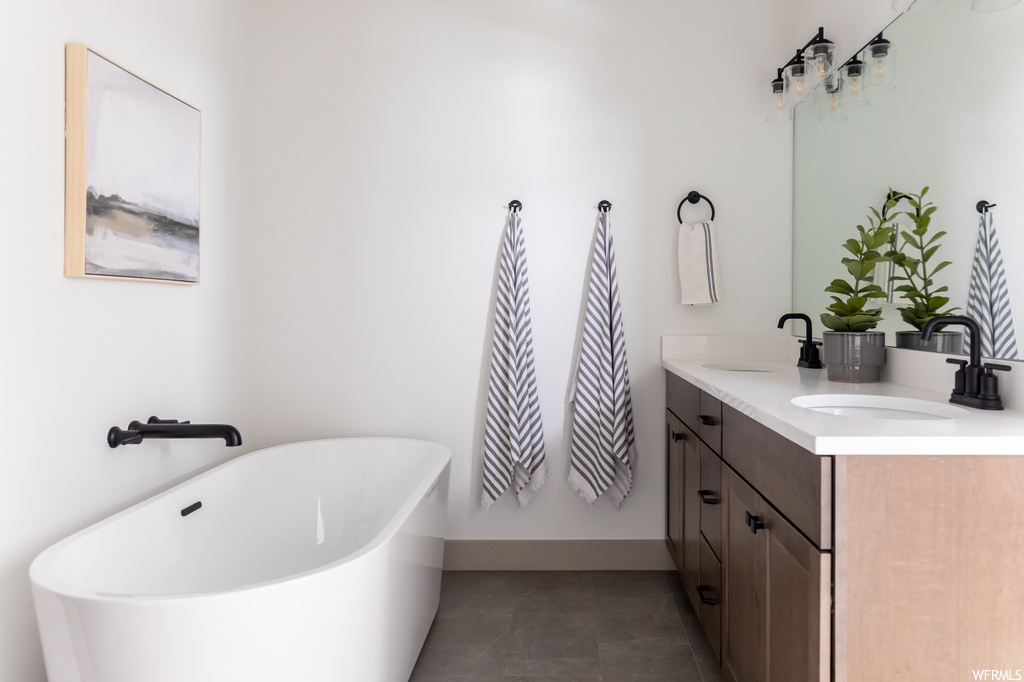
(693, 197)
(515, 205)
(604, 206)
(983, 207)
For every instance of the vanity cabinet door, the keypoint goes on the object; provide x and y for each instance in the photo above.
(799, 605)
(675, 432)
(744, 574)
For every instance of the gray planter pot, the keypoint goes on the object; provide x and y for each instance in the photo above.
(941, 342)
(853, 357)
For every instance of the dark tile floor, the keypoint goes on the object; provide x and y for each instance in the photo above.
(567, 626)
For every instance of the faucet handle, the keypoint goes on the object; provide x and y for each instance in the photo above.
(955, 361)
(989, 366)
(158, 420)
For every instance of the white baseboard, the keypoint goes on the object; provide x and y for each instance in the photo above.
(557, 555)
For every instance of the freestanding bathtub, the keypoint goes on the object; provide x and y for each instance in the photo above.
(317, 561)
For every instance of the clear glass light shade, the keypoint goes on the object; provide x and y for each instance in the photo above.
(777, 105)
(794, 83)
(879, 66)
(819, 62)
(992, 5)
(851, 86)
(828, 100)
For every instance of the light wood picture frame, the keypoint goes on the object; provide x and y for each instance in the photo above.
(132, 175)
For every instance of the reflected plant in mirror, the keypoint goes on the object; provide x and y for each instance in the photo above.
(921, 299)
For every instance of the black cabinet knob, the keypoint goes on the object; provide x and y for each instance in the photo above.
(754, 523)
(703, 591)
(706, 420)
(677, 436)
(707, 497)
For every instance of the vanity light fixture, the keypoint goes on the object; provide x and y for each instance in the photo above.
(811, 64)
(851, 84)
(992, 5)
(880, 58)
(829, 101)
(778, 103)
(819, 59)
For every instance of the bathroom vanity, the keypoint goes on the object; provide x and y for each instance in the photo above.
(816, 546)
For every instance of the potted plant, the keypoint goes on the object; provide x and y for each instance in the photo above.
(923, 300)
(851, 350)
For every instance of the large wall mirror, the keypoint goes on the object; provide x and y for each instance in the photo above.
(954, 123)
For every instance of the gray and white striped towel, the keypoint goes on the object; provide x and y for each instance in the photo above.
(603, 450)
(988, 300)
(513, 434)
(699, 275)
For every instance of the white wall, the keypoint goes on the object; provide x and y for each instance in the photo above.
(78, 356)
(392, 135)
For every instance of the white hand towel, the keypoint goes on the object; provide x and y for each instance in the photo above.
(699, 278)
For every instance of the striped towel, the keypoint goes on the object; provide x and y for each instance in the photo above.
(988, 300)
(699, 278)
(513, 434)
(603, 451)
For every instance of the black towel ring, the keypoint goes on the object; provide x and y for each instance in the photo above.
(693, 197)
(604, 206)
(983, 207)
(515, 205)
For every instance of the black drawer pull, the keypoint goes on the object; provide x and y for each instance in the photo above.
(702, 591)
(706, 420)
(754, 523)
(678, 436)
(707, 497)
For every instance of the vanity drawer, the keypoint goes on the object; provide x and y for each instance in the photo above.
(710, 494)
(683, 399)
(797, 482)
(710, 419)
(710, 591)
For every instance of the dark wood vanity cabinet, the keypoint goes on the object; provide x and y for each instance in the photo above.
(749, 525)
(694, 537)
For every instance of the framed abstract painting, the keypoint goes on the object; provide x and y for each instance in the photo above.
(132, 162)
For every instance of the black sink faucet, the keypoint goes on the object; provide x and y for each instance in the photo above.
(974, 384)
(171, 428)
(809, 356)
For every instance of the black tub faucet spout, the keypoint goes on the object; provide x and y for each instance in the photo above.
(809, 355)
(171, 428)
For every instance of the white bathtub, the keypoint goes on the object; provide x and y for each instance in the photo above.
(313, 561)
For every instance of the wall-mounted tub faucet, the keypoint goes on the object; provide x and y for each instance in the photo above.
(171, 428)
(974, 384)
(809, 355)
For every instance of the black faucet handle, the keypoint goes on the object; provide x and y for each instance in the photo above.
(989, 366)
(158, 420)
(810, 355)
(955, 361)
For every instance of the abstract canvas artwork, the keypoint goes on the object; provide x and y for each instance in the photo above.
(132, 185)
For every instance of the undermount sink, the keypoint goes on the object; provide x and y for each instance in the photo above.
(744, 366)
(878, 407)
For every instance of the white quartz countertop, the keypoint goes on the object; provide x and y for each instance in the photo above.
(766, 397)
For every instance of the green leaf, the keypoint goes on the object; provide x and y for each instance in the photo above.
(937, 302)
(940, 266)
(834, 323)
(909, 239)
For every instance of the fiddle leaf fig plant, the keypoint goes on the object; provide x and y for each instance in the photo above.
(848, 311)
(924, 300)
